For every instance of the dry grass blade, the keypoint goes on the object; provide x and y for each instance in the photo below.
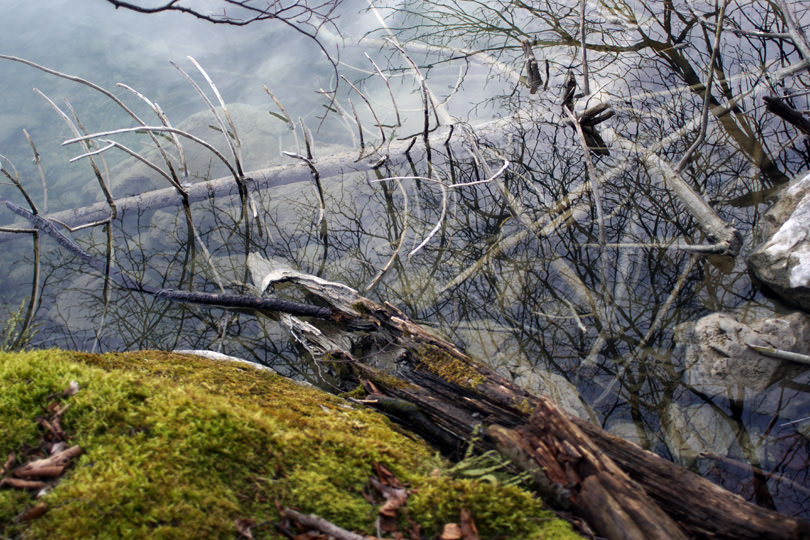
(359, 130)
(14, 176)
(136, 155)
(370, 108)
(286, 116)
(75, 79)
(232, 125)
(85, 82)
(23, 333)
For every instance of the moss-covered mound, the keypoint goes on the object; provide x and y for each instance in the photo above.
(176, 446)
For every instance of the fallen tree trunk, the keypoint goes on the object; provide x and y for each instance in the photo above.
(430, 386)
(334, 165)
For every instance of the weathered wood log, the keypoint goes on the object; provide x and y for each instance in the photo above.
(428, 384)
(706, 509)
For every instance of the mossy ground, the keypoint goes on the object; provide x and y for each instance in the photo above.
(182, 447)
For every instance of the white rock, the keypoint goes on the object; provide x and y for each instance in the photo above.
(782, 262)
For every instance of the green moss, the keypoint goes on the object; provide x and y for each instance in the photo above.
(498, 511)
(180, 447)
(360, 307)
(447, 366)
(524, 406)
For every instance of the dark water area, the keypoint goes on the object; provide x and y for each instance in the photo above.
(507, 265)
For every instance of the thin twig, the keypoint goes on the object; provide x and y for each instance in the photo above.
(796, 31)
(595, 191)
(387, 85)
(401, 238)
(781, 354)
(126, 281)
(438, 225)
(704, 117)
(585, 77)
(105, 190)
(38, 163)
(165, 120)
(166, 129)
(229, 137)
(316, 178)
(318, 523)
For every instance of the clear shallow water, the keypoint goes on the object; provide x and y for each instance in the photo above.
(592, 327)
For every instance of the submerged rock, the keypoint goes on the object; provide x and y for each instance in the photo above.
(782, 262)
(717, 359)
(694, 429)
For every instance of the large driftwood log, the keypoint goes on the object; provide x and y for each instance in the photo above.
(428, 384)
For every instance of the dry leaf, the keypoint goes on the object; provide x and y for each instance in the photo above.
(394, 499)
(243, 526)
(32, 513)
(45, 467)
(386, 476)
(468, 528)
(22, 484)
(9, 462)
(451, 532)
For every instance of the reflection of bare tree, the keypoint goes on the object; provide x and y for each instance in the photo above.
(648, 55)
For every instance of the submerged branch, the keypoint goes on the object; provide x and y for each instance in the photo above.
(125, 281)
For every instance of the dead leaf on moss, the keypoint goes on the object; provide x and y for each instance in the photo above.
(451, 532)
(394, 499)
(32, 513)
(386, 476)
(468, 529)
(9, 462)
(244, 527)
(50, 467)
(22, 484)
(414, 529)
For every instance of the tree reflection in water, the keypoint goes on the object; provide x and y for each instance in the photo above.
(514, 269)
